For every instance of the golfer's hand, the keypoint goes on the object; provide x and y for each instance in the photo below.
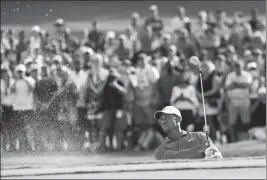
(213, 153)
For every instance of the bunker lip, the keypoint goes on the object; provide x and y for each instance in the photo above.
(253, 162)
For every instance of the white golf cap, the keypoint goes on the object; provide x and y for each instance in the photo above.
(262, 90)
(20, 67)
(168, 110)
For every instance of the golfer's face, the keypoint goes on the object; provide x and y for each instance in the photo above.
(168, 122)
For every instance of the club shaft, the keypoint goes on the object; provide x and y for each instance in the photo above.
(203, 102)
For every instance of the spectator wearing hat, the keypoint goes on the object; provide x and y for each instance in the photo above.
(122, 51)
(261, 62)
(110, 43)
(22, 92)
(257, 80)
(178, 22)
(164, 48)
(59, 28)
(257, 41)
(238, 84)
(154, 21)
(6, 105)
(35, 39)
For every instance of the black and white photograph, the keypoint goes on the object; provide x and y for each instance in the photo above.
(133, 89)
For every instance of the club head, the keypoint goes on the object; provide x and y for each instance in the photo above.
(195, 61)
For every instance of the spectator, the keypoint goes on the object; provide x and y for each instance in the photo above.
(132, 42)
(168, 77)
(201, 25)
(211, 89)
(255, 22)
(154, 21)
(79, 76)
(146, 77)
(135, 25)
(237, 84)
(96, 80)
(178, 22)
(22, 102)
(6, 106)
(236, 37)
(164, 49)
(59, 26)
(69, 43)
(21, 47)
(258, 110)
(187, 45)
(5, 47)
(258, 58)
(185, 99)
(114, 120)
(67, 116)
(12, 40)
(35, 39)
(222, 23)
(47, 109)
(122, 51)
(146, 39)
(96, 37)
(210, 42)
(110, 43)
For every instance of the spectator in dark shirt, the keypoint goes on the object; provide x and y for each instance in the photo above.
(96, 37)
(113, 121)
(21, 46)
(258, 110)
(122, 51)
(46, 110)
(255, 22)
(155, 21)
(70, 43)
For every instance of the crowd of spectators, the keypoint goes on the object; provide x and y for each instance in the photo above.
(99, 93)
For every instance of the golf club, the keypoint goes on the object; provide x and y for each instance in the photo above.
(195, 61)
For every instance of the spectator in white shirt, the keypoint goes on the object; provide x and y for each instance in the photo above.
(35, 39)
(180, 19)
(201, 25)
(22, 91)
(237, 84)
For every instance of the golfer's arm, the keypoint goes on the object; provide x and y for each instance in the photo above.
(162, 154)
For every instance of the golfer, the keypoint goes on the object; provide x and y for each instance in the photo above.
(181, 144)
